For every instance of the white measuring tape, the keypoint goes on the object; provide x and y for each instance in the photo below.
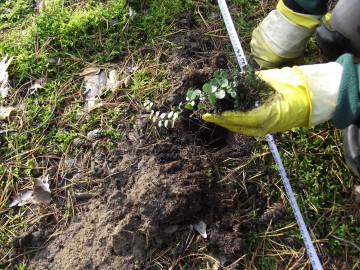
(239, 52)
(240, 56)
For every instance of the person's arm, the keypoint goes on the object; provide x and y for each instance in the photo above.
(315, 7)
(339, 31)
(282, 35)
(304, 96)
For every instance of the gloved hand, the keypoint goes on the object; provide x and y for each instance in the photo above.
(281, 37)
(331, 43)
(337, 35)
(304, 96)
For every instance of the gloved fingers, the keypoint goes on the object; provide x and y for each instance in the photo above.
(251, 118)
(245, 130)
(251, 123)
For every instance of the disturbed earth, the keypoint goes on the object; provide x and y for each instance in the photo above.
(151, 196)
(139, 204)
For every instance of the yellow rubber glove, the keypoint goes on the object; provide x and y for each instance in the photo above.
(281, 37)
(304, 96)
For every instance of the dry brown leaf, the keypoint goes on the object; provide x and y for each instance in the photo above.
(88, 71)
(113, 82)
(75, 58)
(127, 81)
(94, 82)
(39, 4)
(42, 193)
(200, 227)
(22, 199)
(5, 112)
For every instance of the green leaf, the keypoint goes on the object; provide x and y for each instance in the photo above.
(189, 107)
(189, 95)
(215, 81)
(216, 74)
(220, 94)
(192, 94)
(224, 82)
(176, 116)
(207, 88)
(212, 99)
(233, 94)
(224, 74)
(196, 93)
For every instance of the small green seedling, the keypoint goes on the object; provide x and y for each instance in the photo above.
(163, 119)
(222, 87)
(227, 90)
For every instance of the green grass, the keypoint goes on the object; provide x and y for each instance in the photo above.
(55, 44)
(324, 186)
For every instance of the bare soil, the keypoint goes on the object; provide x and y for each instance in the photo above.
(149, 189)
(144, 193)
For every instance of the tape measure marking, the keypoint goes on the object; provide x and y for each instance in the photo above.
(239, 52)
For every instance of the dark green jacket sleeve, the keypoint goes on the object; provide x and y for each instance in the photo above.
(348, 101)
(315, 7)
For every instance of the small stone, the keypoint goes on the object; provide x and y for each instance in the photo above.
(81, 142)
(95, 134)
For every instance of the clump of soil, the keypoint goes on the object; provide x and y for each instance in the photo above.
(228, 90)
(250, 90)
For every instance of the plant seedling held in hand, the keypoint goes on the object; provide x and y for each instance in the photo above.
(228, 90)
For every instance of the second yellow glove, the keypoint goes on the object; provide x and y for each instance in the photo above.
(281, 37)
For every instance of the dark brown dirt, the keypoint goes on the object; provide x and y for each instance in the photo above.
(151, 181)
(147, 189)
